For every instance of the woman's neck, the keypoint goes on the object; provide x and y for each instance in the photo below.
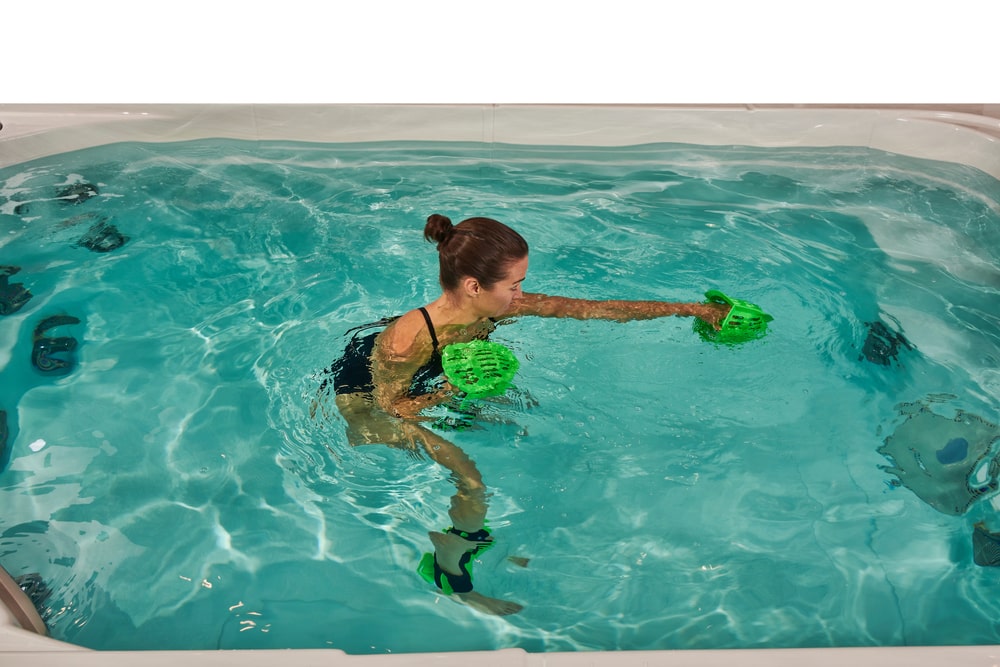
(451, 310)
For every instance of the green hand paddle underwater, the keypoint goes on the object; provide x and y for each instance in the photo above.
(480, 368)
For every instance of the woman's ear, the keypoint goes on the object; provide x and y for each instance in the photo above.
(471, 286)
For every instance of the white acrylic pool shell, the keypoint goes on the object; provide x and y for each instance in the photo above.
(966, 135)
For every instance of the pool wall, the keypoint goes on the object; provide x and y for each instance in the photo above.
(943, 133)
(965, 134)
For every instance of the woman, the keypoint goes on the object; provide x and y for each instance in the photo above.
(387, 378)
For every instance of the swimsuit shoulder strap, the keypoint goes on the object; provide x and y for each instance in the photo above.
(430, 327)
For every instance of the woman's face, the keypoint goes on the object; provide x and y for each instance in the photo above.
(497, 299)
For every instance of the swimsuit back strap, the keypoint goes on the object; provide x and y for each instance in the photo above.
(430, 327)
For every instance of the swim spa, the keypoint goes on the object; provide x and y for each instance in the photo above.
(612, 176)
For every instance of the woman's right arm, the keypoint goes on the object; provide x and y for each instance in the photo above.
(543, 305)
(399, 353)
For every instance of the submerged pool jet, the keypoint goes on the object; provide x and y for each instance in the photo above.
(45, 346)
(102, 237)
(68, 195)
(4, 436)
(76, 193)
(947, 463)
(985, 546)
(12, 295)
(882, 345)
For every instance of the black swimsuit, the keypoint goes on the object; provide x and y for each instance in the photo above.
(352, 373)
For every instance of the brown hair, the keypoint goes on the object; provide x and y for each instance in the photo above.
(481, 248)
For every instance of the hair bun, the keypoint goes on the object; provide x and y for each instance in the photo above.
(439, 229)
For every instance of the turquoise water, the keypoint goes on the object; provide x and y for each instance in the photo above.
(173, 492)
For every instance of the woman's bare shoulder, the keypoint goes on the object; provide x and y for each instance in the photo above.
(405, 337)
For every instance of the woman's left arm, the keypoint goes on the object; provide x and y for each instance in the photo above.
(543, 305)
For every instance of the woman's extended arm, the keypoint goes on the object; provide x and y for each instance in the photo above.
(543, 305)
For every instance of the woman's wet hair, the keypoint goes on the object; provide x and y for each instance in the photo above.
(481, 248)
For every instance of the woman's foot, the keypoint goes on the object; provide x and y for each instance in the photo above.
(487, 605)
(448, 550)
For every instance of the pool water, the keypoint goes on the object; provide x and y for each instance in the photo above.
(170, 487)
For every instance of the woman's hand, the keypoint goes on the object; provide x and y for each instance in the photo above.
(713, 313)
(409, 407)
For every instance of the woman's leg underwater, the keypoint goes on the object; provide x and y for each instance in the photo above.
(452, 552)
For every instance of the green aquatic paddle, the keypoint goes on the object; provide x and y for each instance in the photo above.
(480, 368)
(745, 321)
